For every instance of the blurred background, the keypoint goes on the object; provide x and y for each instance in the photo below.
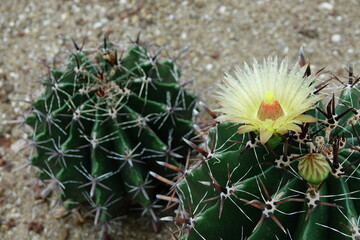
(36, 35)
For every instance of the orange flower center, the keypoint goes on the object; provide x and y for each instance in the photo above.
(270, 108)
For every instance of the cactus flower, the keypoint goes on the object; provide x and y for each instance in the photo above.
(267, 98)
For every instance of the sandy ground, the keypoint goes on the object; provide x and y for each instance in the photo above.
(220, 35)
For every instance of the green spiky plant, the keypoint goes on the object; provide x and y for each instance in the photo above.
(102, 123)
(294, 185)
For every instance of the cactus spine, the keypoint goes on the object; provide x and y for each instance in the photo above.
(255, 182)
(103, 122)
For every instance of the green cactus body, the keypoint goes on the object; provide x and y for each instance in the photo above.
(242, 189)
(102, 124)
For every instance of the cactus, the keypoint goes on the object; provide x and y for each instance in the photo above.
(277, 164)
(102, 123)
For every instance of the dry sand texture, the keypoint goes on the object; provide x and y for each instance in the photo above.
(219, 34)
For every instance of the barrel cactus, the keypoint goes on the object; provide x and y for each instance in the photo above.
(101, 124)
(275, 163)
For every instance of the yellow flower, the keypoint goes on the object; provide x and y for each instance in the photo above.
(267, 98)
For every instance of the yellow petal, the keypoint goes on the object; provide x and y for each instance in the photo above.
(265, 135)
(282, 130)
(246, 128)
(293, 127)
(306, 118)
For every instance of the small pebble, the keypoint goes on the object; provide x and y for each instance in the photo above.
(222, 9)
(215, 55)
(35, 227)
(183, 35)
(10, 224)
(209, 66)
(2, 163)
(326, 6)
(18, 145)
(14, 215)
(335, 38)
(14, 75)
(97, 25)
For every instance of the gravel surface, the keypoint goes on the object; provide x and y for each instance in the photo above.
(36, 34)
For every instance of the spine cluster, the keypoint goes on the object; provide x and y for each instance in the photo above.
(299, 185)
(101, 125)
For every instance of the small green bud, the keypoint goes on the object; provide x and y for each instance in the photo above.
(314, 168)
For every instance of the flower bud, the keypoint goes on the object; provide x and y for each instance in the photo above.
(314, 168)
